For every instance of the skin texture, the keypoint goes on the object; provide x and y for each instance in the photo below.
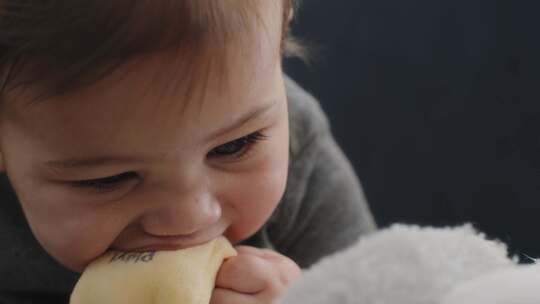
(173, 189)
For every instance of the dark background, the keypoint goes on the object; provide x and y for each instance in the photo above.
(437, 105)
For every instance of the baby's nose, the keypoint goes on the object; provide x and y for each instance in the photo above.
(182, 216)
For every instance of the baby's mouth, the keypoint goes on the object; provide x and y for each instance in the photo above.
(168, 246)
(174, 242)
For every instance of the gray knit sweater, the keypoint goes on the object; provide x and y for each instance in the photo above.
(323, 210)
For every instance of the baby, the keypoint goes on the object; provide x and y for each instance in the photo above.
(161, 125)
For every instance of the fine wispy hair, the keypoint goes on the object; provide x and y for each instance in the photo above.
(60, 45)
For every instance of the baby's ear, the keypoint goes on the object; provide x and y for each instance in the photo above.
(291, 13)
(2, 166)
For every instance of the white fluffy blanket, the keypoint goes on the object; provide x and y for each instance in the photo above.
(414, 265)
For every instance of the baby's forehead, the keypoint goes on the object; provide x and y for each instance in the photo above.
(162, 84)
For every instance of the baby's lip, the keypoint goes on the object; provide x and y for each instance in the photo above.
(169, 246)
(177, 242)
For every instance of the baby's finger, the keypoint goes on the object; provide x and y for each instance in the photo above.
(245, 273)
(266, 254)
(286, 269)
(227, 296)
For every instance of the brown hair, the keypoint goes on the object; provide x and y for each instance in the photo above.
(62, 45)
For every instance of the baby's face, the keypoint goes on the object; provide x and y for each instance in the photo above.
(128, 164)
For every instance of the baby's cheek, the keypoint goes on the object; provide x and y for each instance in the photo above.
(76, 240)
(254, 200)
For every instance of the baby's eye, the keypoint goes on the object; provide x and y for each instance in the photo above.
(237, 147)
(107, 183)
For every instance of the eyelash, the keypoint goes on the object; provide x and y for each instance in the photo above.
(112, 182)
(105, 184)
(246, 143)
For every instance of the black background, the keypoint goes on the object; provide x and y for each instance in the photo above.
(437, 105)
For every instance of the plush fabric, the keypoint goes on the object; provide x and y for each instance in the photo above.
(414, 265)
(176, 277)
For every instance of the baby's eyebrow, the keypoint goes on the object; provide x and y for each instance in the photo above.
(102, 161)
(71, 163)
(243, 119)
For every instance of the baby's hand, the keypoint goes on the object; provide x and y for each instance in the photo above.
(254, 276)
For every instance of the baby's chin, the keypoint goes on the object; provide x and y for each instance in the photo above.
(72, 262)
(75, 266)
(80, 265)
(514, 285)
(77, 262)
